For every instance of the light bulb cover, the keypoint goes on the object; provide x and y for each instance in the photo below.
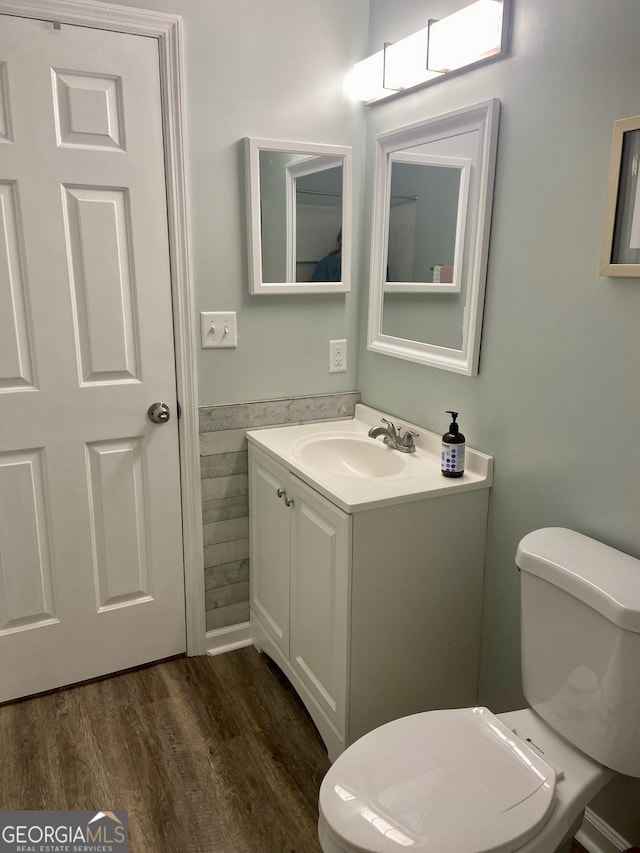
(405, 65)
(470, 35)
(365, 80)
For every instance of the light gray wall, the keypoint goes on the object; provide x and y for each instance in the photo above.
(272, 70)
(559, 368)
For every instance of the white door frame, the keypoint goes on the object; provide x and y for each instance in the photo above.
(168, 30)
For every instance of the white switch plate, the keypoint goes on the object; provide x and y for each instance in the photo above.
(218, 329)
(337, 356)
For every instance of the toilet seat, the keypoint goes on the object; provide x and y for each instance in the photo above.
(456, 781)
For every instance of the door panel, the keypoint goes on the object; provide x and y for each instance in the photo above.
(98, 235)
(88, 110)
(269, 543)
(16, 370)
(91, 542)
(26, 587)
(118, 521)
(320, 600)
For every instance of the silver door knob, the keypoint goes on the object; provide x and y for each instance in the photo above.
(159, 413)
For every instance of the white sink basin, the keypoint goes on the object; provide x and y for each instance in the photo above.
(355, 472)
(350, 455)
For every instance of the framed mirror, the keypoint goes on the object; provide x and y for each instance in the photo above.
(299, 197)
(620, 254)
(433, 193)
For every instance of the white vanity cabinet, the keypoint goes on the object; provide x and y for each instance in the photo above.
(374, 613)
(300, 556)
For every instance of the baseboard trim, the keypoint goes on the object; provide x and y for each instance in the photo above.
(597, 836)
(227, 639)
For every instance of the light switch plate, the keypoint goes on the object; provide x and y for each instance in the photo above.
(218, 329)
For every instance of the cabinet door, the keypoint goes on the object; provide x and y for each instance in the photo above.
(269, 546)
(320, 571)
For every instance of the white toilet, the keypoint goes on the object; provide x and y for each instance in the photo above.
(466, 781)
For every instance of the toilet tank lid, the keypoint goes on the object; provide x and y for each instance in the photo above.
(602, 577)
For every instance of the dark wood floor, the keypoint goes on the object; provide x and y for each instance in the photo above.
(208, 755)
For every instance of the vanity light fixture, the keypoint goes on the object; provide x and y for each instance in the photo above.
(405, 64)
(476, 34)
(466, 37)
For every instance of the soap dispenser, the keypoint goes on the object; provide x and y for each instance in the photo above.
(452, 456)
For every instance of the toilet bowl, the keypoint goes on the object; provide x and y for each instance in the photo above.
(459, 781)
(470, 781)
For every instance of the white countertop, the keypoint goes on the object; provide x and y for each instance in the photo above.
(420, 477)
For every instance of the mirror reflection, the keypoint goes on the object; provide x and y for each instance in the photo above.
(442, 184)
(427, 213)
(316, 250)
(430, 259)
(299, 210)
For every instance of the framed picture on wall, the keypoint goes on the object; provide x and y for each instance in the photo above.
(621, 240)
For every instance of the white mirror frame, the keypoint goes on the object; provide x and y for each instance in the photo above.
(482, 117)
(253, 147)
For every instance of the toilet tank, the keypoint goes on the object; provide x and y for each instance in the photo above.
(580, 602)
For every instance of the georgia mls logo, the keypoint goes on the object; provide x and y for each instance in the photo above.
(63, 832)
(118, 831)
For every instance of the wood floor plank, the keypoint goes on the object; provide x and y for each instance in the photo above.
(207, 755)
(48, 755)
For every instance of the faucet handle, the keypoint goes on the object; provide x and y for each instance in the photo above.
(391, 426)
(406, 439)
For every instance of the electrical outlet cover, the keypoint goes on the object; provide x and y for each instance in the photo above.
(337, 356)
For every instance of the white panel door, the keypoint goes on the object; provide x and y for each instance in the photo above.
(320, 598)
(91, 571)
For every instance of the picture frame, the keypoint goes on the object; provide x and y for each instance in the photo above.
(620, 254)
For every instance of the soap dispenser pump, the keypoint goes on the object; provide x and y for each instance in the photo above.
(453, 444)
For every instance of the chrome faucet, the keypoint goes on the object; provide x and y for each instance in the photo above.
(394, 437)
